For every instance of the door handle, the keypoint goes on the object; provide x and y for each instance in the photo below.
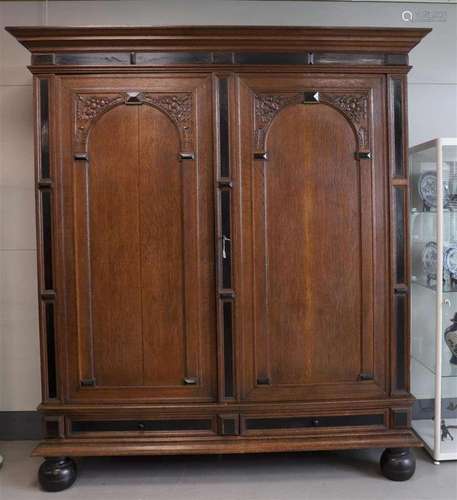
(190, 380)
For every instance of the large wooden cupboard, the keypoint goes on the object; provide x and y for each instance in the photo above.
(223, 245)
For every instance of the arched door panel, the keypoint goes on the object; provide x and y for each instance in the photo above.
(308, 216)
(311, 227)
(143, 234)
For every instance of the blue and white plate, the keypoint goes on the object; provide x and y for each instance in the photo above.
(427, 190)
(450, 259)
(429, 257)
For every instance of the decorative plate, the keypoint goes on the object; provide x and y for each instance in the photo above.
(429, 257)
(450, 259)
(427, 190)
(450, 337)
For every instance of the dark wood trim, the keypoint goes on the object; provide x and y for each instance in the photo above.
(54, 427)
(224, 236)
(154, 59)
(228, 425)
(45, 238)
(399, 236)
(398, 133)
(239, 68)
(400, 328)
(219, 38)
(400, 418)
(401, 251)
(45, 172)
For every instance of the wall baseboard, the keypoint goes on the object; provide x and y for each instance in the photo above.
(20, 425)
(424, 409)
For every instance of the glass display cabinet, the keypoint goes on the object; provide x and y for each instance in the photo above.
(433, 169)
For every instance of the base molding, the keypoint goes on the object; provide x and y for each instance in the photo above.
(226, 445)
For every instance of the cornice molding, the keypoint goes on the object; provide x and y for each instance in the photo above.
(39, 39)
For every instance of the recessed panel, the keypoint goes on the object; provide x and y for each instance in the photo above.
(114, 243)
(163, 235)
(310, 226)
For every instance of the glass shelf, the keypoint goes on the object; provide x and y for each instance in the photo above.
(447, 287)
(448, 370)
(423, 322)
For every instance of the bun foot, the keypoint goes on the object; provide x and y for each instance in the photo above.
(398, 464)
(57, 474)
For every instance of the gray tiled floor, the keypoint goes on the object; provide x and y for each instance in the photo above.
(350, 475)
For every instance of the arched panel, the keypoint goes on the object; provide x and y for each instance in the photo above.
(137, 206)
(313, 252)
(312, 246)
(114, 243)
(161, 212)
(142, 230)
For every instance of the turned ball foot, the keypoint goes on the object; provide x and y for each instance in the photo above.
(57, 474)
(398, 464)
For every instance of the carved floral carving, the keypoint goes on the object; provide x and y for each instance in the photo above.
(266, 108)
(90, 106)
(179, 108)
(87, 109)
(354, 106)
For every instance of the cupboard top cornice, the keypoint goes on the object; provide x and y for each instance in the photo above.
(58, 39)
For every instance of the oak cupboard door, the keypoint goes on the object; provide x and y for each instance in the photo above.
(311, 291)
(138, 219)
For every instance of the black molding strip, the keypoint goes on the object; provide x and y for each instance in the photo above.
(229, 372)
(396, 98)
(217, 58)
(78, 426)
(44, 130)
(224, 184)
(87, 59)
(399, 208)
(400, 315)
(50, 349)
(401, 290)
(46, 233)
(400, 419)
(305, 422)
(47, 292)
(224, 152)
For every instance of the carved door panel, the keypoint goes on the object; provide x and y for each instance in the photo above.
(138, 225)
(311, 296)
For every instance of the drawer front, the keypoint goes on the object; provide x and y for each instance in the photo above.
(309, 424)
(150, 427)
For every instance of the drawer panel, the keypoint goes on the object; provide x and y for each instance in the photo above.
(303, 424)
(157, 426)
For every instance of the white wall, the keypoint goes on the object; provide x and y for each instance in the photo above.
(433, 113)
